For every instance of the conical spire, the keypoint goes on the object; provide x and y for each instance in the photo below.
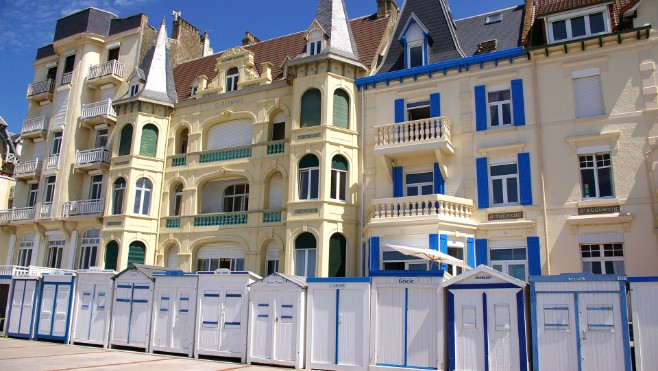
(156, 65)
(332, 17)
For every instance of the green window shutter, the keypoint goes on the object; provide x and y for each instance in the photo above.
(341, 109)
(305, 241)
(339, 163)
(309, 161)
(111, 255)
(311, 109)
(337, 250)
(149, 141)
(125, 144)
(136, 253)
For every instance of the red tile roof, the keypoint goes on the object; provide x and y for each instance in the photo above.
(367, 31)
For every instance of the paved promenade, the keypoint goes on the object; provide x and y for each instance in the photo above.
(19, 355)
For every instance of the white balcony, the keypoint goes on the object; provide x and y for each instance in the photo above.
(93, 159)
(67, 77)
(23, 214)
(40, 91)
(28, 170)
(83, 208)
(53, 162)
(412, 137)
(36, 127)
(46, 210)
(99, 113)
(110, 72)
(419, 209)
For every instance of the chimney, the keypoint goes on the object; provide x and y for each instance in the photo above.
(207, 50)
(249, 39)
(384, 7)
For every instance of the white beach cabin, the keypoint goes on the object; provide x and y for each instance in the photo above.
(223, 308)
(337, 323)
(407, 320)
(580, 322)
(644, 303)
(55, 306)
(174, 312)
(277, 307)
(93, 305)
(487, 322)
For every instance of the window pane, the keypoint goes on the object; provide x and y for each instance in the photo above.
(303, 185)
(507, 169)
(415, 56)
(300, 262)
(147, 203)
(310, 267)
(418, 267)
(589, 188)
(412, 191)
(314, 183)
(605, 182)
(508, 254)
(334, 181)
(507, 114)
(397, 266)
(427, 190)
(596, 23)
(512, 190)
(497, 185)
(559, 30)
(138, 201)
(342, 186)
(493, 112)
(578, 27)
(420, 177)
(597, 268)
(517, 271)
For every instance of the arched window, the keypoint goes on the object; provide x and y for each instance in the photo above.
(111, 255)
(118, 195)
(341, 109)
(275, 194)
(126, 141)
(236, 198)
(172, 258)
(177, 200)
(305, 250)
(314, 42)
(337, 251)
(143, 196)
(91, 239)
(311, 109)
(182, 141)
(232, 77)
(149, 141)
(278, 130)
(136, 253)
(309, 172)
(338, 178)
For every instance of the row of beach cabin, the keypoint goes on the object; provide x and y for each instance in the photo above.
(479, 320)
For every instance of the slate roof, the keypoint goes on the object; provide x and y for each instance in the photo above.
(472, 31)
(157, 67)
(332, 17)
(435, 15)
(367, 32)
(147, 270)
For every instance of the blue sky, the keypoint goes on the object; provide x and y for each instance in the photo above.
(29, 24)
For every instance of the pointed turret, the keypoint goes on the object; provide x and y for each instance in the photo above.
(332, 18)
(159, 86)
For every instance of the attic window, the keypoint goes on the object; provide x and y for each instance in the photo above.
(194, 87)
(575, 25)
(232, 77)
(314, 45)
(494, 18)
(486, 46)
(134, 86)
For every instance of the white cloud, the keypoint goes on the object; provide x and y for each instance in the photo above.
(29, 24)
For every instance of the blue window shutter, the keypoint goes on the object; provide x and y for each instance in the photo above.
(481, 252)
(443, 247)
(439, 183)
(435, 105)
(525, 178)
(398, 183)
(470, 252)
(434, 245)
(534, 256)
(483, 182)
(517, 102)
(374, 253)
(399, 110)
(480, 108)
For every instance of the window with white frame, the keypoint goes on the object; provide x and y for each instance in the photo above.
(101, 138)
(588, 96)
(134, 86)
(232, 77)
(456, 250)
(305, 255)
(50, 190)
(32, 195)
(91, 239)
(504, 181)
(309, 173)
(220, 256)
(212, 264)
(576, 25)
(395, 260)
(419, 183)
(314, 44)
(596, 175)
(55, 252)
(499, 104)
(118, 195)
(25, 251)
(177, 201)
(57, 143)
(272, 258)
(603, 258)
(236, 198)
(415, 45)
(95, 190)
(338, 178)
(509, 257)
(418, 110)
(143, 189)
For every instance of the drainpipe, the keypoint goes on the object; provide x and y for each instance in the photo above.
(540, 158)
(363, 177)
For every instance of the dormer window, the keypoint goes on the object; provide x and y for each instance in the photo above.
(194, 87)
(314, 45)
(134, 86)
(575, 25)
(232, 77)
(414, 38)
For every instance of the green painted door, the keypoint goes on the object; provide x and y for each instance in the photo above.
(337, 256)
(111, 255)
(136, 253)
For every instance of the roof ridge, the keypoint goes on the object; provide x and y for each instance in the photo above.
(491, 12)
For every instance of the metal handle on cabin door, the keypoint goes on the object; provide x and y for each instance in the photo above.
(584, 335)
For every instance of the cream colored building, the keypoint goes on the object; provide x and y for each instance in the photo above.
(532, 153)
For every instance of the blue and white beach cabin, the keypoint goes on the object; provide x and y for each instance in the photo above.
(487, 321)
(22, 307)
(93, 306)
(580, 322)
(55, 306)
